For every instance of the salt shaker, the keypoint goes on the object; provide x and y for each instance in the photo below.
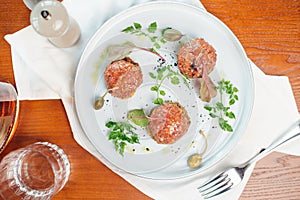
(30, 3)
(50, 19)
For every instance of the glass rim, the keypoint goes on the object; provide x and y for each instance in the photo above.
(12, 130)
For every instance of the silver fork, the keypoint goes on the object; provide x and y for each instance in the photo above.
(231, 177)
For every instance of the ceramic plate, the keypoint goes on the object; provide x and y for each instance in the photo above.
(149, 159)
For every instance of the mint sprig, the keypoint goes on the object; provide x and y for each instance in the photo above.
(122, 133)
(221, 109)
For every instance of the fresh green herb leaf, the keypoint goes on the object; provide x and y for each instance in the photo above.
(110, 124)
(158, 101)
(220, 110)
(113, 135)
(161, 92)
(156, 45)
(213, 115)
(137, 26)
(175, 80)
(161, 70)
(231, 102)
(236, 97)
(138, 117)
(231, 115)
(152, 27)
(151, 74)
(162, 73)
(135, 139)
(154, 88)
(219, 106)
(160, 76)
(129, 29)
(224, 125)
(153, 50)
(209, 108)
(163, 40)
(150, 32)
(121, 133)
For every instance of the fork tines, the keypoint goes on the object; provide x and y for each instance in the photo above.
(217, 185)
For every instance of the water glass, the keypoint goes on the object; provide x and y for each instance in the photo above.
(37, 171)
(9, 110)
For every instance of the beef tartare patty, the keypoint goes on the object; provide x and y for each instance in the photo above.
(194, 55)
(168, 123)
(123, 77)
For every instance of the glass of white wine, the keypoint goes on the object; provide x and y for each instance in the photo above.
(9, 111)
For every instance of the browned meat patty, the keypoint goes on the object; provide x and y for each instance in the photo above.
(123, 77)
(194, 55)
(169, 122)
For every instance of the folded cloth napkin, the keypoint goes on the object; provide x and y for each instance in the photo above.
(43, 71)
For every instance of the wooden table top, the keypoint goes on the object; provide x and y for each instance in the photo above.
(270, 33)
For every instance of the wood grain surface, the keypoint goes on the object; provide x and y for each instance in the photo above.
(269, 30)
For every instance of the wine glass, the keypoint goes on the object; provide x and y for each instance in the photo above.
(9, 111)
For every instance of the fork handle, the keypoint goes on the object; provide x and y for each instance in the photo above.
(277, 143)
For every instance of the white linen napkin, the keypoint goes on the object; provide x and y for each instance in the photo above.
(43, 71)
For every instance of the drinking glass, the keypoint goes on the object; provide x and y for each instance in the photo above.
(35, 172)
(9, 111)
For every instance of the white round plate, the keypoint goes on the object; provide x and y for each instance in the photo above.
(148, 155)
(149, 159)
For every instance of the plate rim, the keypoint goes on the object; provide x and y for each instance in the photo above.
(102, 30)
